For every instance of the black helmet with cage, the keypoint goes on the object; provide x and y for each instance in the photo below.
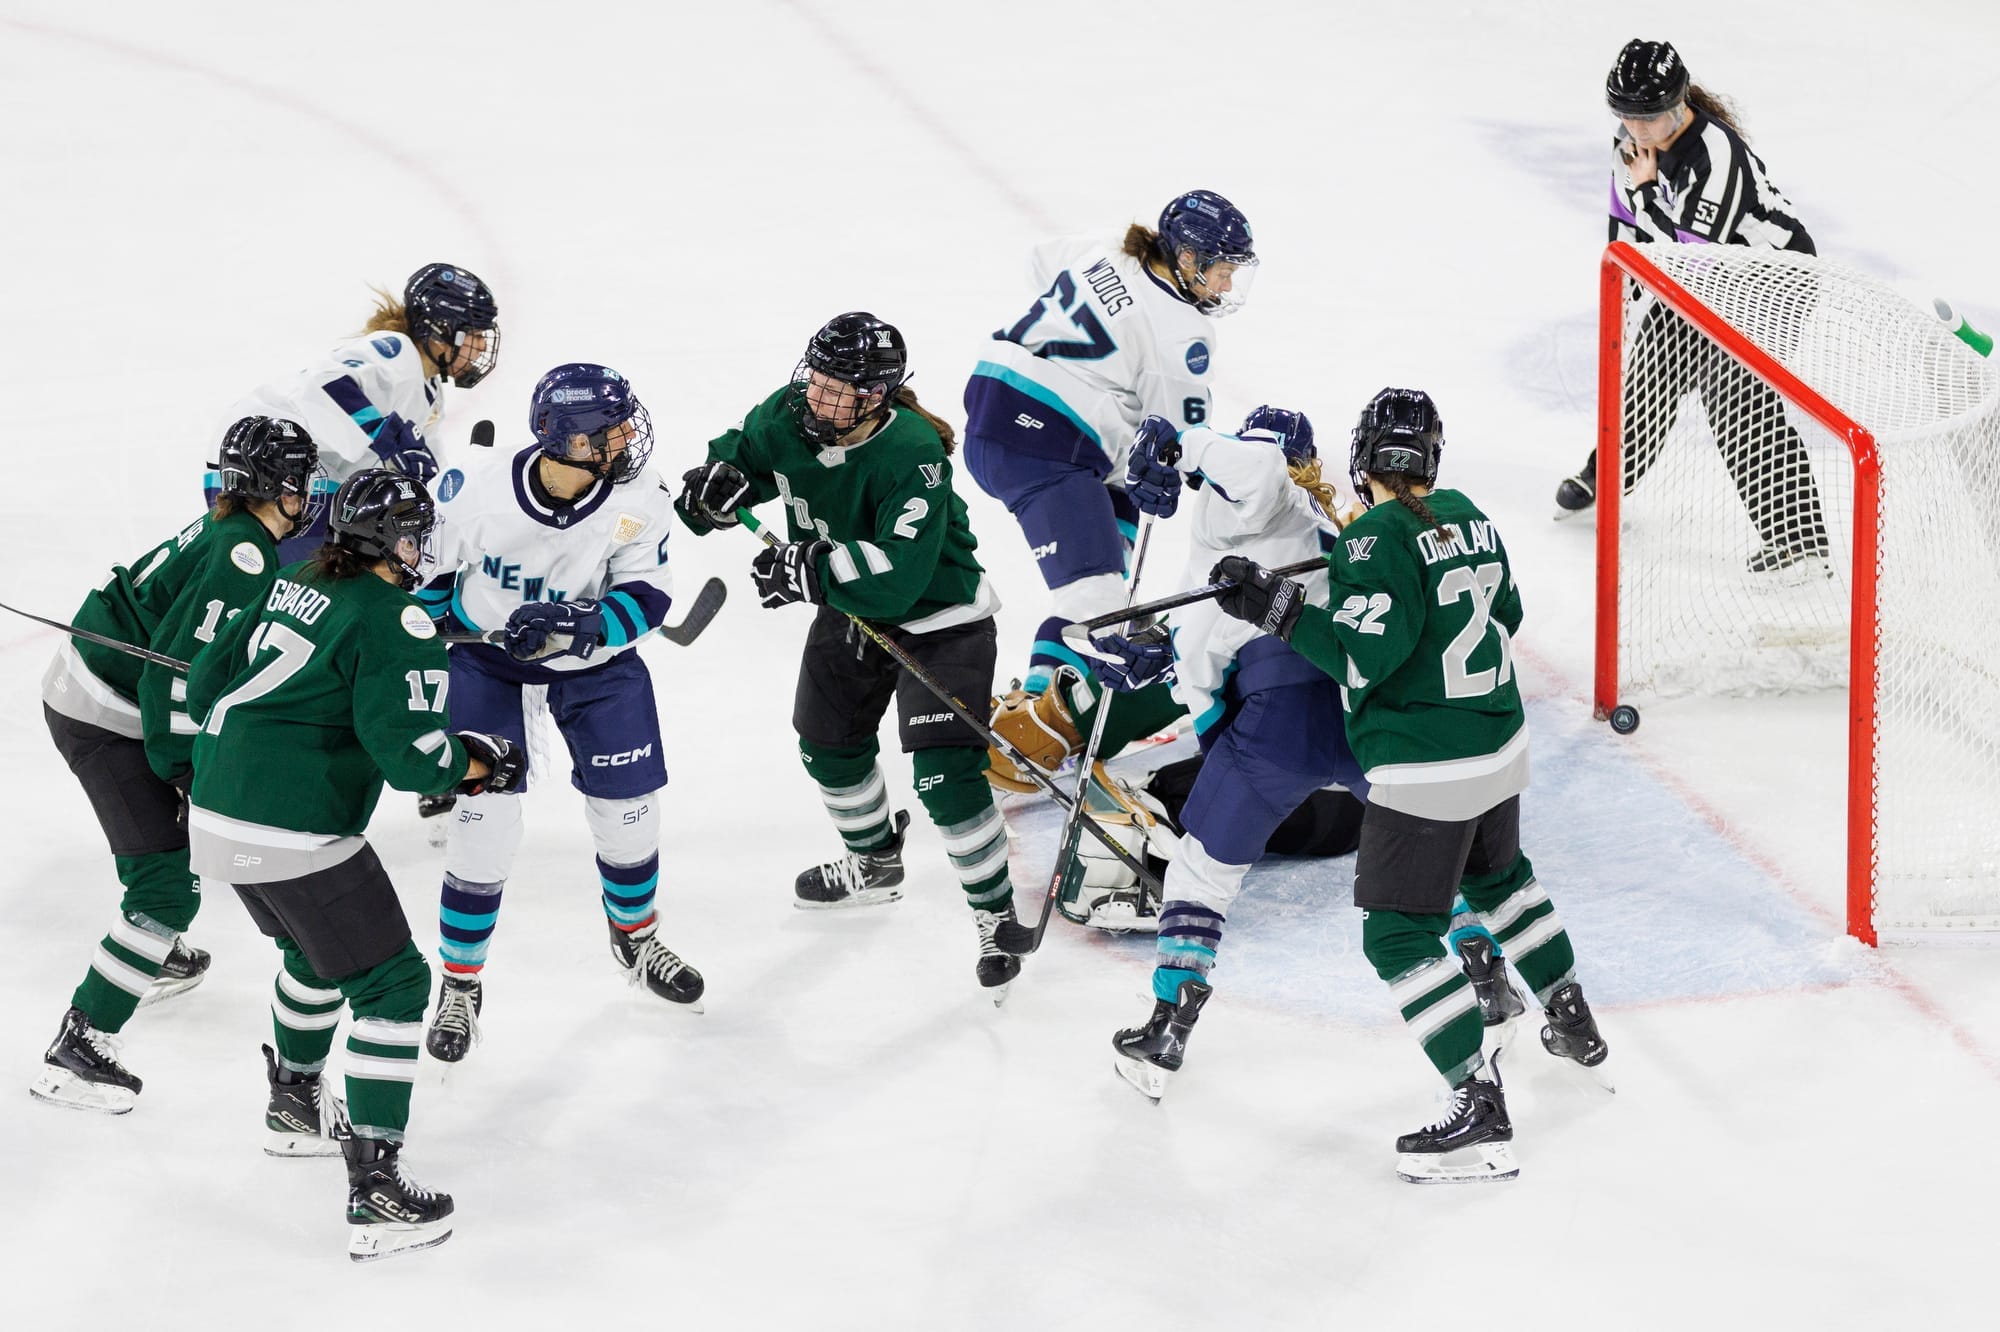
(858, 350)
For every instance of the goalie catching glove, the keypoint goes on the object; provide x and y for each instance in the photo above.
(506, 764)
(549, 628)
(1041, 726)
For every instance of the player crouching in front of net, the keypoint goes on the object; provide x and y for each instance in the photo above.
(877, 532)
(306, 706)
(1421, 647)
(563, 546)
(121, 724)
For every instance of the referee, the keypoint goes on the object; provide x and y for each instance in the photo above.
(1685, 175)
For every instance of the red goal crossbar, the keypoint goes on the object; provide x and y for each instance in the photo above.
(1622, 260)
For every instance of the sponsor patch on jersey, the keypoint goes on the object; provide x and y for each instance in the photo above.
(387, 347)
(629, 526)
(1197, 358)
(417, 624)
(245, 556)
(450, 484)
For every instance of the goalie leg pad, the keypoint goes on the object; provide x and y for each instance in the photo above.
(1041, 726)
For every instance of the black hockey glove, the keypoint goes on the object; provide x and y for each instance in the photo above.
(507, 764)
(402, 449)
(790, 572)
(1258, 595)
(549, 628)
(1143, 658)
(710, 494)
(1151, 481)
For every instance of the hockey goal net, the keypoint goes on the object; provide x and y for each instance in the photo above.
(1811, 500)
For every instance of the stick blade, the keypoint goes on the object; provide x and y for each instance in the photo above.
(707, 602)
(1020, 940)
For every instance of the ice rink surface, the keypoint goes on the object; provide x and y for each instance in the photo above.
(851, 1136)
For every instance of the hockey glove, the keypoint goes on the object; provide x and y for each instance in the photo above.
(506, 763)
(711, 492)
(1150, 479)
(403, 450)
(790, 572)
(1258, 596)
(1143, 658)
(548, 628)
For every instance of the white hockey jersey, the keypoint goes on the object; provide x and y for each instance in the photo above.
(501, 542)
(342, 397)
(1246, 505)
(1107, 344)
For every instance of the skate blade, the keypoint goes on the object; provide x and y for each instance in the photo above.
(1563, 515)
(998, 993)
(167, 989)
(437, 831)
(1150, 1079)
(298, 1144)
(1500, 1037)
(866, 898)
(1483, 1163)
(1590, 1074)
(368, 1244)
(59, 1086)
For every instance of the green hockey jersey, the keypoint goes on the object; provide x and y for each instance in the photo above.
(903, 547)
(307, 706)
(173, 599)
(1418, 632)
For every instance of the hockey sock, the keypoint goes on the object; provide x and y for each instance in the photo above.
(122, 969)
(1133, 716)
(304, 1011)
(1189, 936)
(467, 913)
(628, 891)
(852, 789)
(1050, 652)
(952, 785)
(1429, 989)
(388, 1002)
(1524, 921)
(1465, 925)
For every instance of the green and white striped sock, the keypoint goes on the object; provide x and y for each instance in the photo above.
(123, 968)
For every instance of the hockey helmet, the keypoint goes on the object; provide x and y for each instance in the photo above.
(1399, 434)
(597, 403)
(1647, 79)
(375, 511)
(1208, 229)
(444, 303)
(858, 350)
(268, 458)
(1290, 430)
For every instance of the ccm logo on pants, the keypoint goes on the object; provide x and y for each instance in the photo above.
(620, 760)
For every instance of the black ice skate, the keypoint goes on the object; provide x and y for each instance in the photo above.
(1499, 1003)
(431, 809)
(454, 1027)
(1149, 1055)
(387, 1212)
(859, 878)
(1578, 493)
(997, 968)
(81, 1070)
(185, 968)
(302, 1118)
(1472, 1144)
(1571, 1032)
(1806, 558)
(646, 960)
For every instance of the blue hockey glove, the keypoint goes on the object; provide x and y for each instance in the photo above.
(790, 572)
(550, 628)
(1150, 479)
(1143, 658)
(506, 762)
(403, 450)
(710, 494)
(1258, 596)
(1291, 430)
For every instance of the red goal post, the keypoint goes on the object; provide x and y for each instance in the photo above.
(1694, 341)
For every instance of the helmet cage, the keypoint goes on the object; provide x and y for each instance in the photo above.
(446, 304)
(269, 458)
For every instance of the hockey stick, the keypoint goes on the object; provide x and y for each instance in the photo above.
(144, 654)
(1077, 636)
(706, 603)
(1013, 936)
(979, 728)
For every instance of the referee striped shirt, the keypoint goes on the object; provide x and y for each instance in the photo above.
(1711, 189)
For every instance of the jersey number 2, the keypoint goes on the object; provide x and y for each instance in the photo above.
(1481, 582)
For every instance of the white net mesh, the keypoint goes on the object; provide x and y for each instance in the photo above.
(1737, 542)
